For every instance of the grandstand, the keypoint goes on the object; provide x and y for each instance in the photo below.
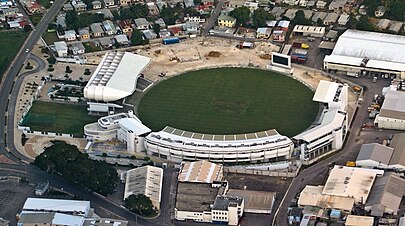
(116, 76)
(178, 145)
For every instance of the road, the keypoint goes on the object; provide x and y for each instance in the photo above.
(7, 82)
(353, 143)
(213, 18)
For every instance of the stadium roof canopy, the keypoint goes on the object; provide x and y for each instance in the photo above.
(116, 76)
(381, 50)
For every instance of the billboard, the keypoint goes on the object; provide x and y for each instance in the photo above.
(282, 60)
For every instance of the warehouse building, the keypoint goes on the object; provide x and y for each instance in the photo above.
(392, 112)
(255, 201)
(201, 197)
(330, 132)
(125, 127)
(309, 31)
(345, 187)
(366, 52)
(386, 195)
(397, 161)
(115, 77)
(146, 180)
(374, 156)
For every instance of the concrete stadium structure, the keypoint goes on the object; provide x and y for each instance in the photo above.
(115, 77)
(330, 133)
(125, 127)
(365, 52)
(177, 145)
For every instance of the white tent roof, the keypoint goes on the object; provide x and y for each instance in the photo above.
(56, 205)
(381, 49)
(115, 76)
(326, 91)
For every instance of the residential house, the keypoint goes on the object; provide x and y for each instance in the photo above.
(343, 19)
(153, 9)
(77, 48)
(32, 6)
(191, 27)
(189, 3)
(17, 24)
(383, 24)
(10, 11)
(104, 42)
(164, 33)
(107, 14)
(161, 22)
(109, 27)
(149, 34)
(290, 14)
(308, 13)
(337, 5)
(161, 4)
(84, 33)
(331, 36)
(363, 10)
(252, 6)
(271, 23)
(321, 4)
(125, 2)
(380, 11)
(283, 25)
(109, 3)
(97, 29)
(61, 20)
(196, 19)
(80, 6)
(176, 29)
(96, 4)
(330, 19)
(209, 3)
(6, 3)
(61, 49)
(319, 16)
(347, 8)
(226, 21)
(236, 3)
(122, 39)
(68, 7)
(141, 23)
(396, 27)
(126, 27)
(277, 12)
(311, 4)
(279, 36)
(70, 35)
(263, 32)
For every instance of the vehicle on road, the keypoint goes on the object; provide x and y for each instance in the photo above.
(27, 50)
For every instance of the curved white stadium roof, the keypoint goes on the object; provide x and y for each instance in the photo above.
(115, 76)
(383, 50)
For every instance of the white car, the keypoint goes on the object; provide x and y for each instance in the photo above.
(27, 50)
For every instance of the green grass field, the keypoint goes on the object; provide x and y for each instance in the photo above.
(10, 43)
(229, 101)
(58, 117)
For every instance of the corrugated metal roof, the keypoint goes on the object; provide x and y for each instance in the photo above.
(376, 152)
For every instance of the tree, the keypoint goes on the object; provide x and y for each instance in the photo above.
(68, 70)
(396, 8)
(197, 2)
(241, 14)
(371, 6)
(134, 11)
(260, 16)
(140, 204)
(67, 161)
(191, 11)
(301, 19)
(156, 28)
(169, 15)
(27, 28)
(136, 38)
(364, 24)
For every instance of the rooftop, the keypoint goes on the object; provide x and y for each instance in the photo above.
(145, 180)
(56, 205)
(353, 220)
(350, 182)
(327, 92)
(106, 83)
(195, 197)
(255, 200)
(376, 152)
(312, 196)
(379, 48)
(394, 105)
(398, 143)
(222, 202)
(134, 125)
(200, 172)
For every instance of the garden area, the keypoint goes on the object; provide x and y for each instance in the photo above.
(10, 43)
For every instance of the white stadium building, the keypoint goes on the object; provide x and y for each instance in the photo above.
(366, 52)
(115, 77)
(125, 127)
(177, 145)
(330, 133)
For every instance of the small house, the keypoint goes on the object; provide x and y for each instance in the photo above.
(96, 4)
(380, 11)
(141, 23)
